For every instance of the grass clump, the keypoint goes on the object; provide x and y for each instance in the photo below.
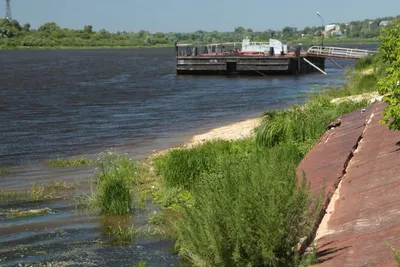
(183, 167)
(301, 125)
(116, 176)
(28, 213)
(36, 193)
(4, 171)
(142, 264)
(60, 185)
(123, 235)
(156, 218)
(10, 195)
(252, 213)
(68, 162)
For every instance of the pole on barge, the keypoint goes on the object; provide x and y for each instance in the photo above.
(309, 62)
(334, 62)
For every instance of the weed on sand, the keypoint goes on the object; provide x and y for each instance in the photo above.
(36, 193)
(60, 185)
(28, 213)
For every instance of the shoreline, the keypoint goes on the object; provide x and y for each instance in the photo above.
(304, 42)
(228, 132)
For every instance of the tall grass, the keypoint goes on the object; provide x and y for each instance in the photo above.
(301, 124)
(184, 167)
(248, 208)
(358, 84)
(252, 213)
(117, 174)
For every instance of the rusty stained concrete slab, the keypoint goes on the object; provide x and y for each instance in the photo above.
(365, 210)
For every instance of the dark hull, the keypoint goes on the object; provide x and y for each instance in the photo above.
(246, 65)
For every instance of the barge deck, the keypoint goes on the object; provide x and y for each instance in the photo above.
(245, 58)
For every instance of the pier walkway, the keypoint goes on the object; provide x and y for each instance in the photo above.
(338, 52)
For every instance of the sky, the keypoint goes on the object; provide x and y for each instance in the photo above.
(193, 15)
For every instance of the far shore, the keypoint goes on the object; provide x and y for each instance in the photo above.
(304, 42)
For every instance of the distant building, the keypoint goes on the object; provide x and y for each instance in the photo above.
(384, 23)
(333, 30)
(332, 27)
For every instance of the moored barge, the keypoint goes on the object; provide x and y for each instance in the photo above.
(246, 58)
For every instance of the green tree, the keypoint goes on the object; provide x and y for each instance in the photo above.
(15, 24)
(390, 83)
(26, 27)
(49, 27)
(88, 29)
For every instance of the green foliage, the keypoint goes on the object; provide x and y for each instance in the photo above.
(251, 213)
(363, 63)
(357, 85)
(4, 171)
(60, 185)
(395, 253)
(172, 197)
(301, 124)
(156, 218)
(52, 35)
(142, 264)
(68, 162)
(389, 85)
(28, 213)
(37, 193)
(117, 174)
(184, 167)
(123, 235)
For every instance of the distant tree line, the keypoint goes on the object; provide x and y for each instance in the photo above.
(12, 34)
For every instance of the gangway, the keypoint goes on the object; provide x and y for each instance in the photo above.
(338, 52)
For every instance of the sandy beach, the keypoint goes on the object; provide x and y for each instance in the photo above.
(234, 131)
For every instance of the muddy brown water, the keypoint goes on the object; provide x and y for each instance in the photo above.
(68, 103)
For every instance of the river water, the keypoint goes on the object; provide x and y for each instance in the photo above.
(63, 103)
(67, 103)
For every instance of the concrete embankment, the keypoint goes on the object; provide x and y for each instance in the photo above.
(356, 162)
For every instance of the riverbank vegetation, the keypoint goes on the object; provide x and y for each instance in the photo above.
(389, 84)
(239, 202)
(48, 35)
(247, 208)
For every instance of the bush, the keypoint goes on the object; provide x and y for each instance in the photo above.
(117, 174)
(184, 167)
(389, 85)
(363, 63)
(250, 214)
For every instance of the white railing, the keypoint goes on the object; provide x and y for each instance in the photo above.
(339, 52)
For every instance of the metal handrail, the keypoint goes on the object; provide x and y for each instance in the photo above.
(341, 52)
